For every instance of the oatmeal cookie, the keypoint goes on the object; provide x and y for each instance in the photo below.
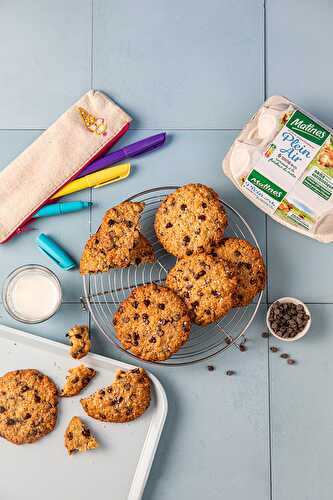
(153, 322)
(80, 341)
(190, 220)
(249, 268)
(78, 437)
(28, 406)
(206, 285)
(125, 399)
(95, 259)
(76, 380)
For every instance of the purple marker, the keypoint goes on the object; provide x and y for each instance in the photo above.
(136, 149)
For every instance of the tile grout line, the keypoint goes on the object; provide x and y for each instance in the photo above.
(267, 261)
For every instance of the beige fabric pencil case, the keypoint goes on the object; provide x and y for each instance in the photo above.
(84, 132)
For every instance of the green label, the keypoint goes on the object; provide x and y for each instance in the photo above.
(317, 188)
(307, 128)
(267, 186)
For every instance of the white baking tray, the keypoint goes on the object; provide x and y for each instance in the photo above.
(118, 470)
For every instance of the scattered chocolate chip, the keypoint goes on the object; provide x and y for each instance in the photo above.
(70, 435)
(200, 274)
(152, 340)
(189, 252)
(111, 222)
(129, 223)
(202, 217)
(114, 321)
(242, 348)
(168, 225)
(37, 398)
(230, 372)
(194, 304)
(215, 293)
(138, 261)
(27, 416)
(274, 349)
(210, 368)
(24, 388)
(265, 335)
(161, 306)
(162, 321)
(136, 316)
(75, 380)
(2, 409)
(186, 240)
(10, 421)
(176, 317)
(135, 304)
(204, 205)
(183, 207)
(237, 253)
(146, 302)
(284, 355)
(78, 336)
(129, 411)
(291, 361)
(101, 392)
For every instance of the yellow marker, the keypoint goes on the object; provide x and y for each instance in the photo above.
(96, 180)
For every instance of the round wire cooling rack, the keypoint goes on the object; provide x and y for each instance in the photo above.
(103, 292)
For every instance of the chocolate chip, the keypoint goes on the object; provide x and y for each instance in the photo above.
(168, 225)
(183, 207)
(291, 361)
(202, 217)
(78, 336)
(200, 274)
(284, 355)
(70, 436)
(24, 388)
(114, 321)
(186, 240)
(194, 304)
(189, 252)
(86, 432)
(129, 411)
(136, 316)
(274, 349)
(27, 416)
(210, 368)
(204, 205)
(242, 348)
(129, 223)
(152, 340)
(37, 398)
(2, 409)
(111, 222)
(208, 312)
(145, 318)
(215, 293)
(75, 380)
(138, 261)
(237, 253)
(230, 372)
(101, 392)
(10, 421)
(146, 302)
(135, 304)
(162, 321)
(185, 326)
(161, 306)
(265, 335)
(253, 281)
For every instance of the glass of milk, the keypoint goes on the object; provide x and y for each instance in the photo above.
(32, 294)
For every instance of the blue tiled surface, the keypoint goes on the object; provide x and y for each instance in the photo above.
(199, 70)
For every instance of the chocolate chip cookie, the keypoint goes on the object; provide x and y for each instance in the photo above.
(190, 220)
(80, 341)
(125, 399)
(206, 285)
(152, 323)
(76, 380)
(120, 230)
(78, 437)
(249, 268)
(28, 406)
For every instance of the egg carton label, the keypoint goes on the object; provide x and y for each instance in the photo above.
(292, 157)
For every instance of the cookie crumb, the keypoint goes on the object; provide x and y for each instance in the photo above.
(230, 372)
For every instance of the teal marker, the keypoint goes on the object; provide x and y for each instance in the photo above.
(62, 208)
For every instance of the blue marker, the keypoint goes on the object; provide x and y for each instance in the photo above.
(62, 208)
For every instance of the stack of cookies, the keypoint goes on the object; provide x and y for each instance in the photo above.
(212, 274)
